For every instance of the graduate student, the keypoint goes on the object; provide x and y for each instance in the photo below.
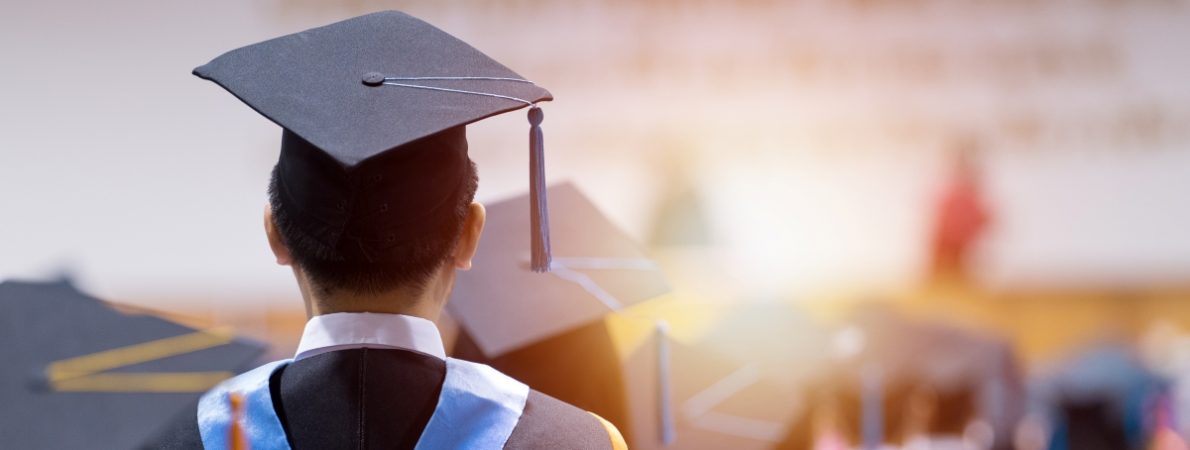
(371, 204)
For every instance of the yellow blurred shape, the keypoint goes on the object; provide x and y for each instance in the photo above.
(138, 353)
(686, 322)
(82, 373)
(160, 382)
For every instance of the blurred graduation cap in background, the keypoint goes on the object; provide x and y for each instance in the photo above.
(738, 393)
(547, 329)
(596, 269)
(929, 351)
(900, 367)
(81, 373)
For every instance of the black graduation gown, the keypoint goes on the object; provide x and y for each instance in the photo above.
(382, 399)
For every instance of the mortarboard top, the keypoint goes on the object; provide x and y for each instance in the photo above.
(925, 351)
(373, 109)
(78, 373)
(596, 269)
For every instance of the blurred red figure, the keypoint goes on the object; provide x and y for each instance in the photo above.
(962, 216)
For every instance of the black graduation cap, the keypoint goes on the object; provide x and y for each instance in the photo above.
(79, 373)
(374, 110)
(596, 269)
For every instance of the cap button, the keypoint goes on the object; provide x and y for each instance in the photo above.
(373, 79)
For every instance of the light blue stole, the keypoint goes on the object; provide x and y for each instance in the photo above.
(477, 409)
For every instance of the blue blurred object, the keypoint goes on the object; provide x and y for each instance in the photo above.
(1100, 398)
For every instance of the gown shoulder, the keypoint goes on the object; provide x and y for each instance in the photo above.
(549, 423)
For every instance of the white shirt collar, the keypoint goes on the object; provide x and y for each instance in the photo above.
(345, 331)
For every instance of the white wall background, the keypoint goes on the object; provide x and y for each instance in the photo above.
(816, 131)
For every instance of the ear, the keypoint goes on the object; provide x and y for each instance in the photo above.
(280, 251)
(469, 241)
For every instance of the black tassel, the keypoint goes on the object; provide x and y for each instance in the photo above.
(539, 209)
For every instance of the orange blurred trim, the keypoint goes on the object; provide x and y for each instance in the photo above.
(235, 438)
(613, 433)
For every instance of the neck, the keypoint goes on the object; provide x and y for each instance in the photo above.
(426, 303)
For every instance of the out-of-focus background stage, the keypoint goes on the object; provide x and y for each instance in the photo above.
(918, 224)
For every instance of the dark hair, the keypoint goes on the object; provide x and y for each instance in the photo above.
(417, 259)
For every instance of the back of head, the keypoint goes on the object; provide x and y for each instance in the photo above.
(388, 223)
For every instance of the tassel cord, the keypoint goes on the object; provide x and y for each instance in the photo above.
(539, 209)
